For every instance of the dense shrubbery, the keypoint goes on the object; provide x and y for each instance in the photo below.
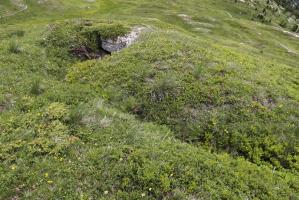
(112, 155)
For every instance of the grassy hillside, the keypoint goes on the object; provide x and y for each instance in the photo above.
(9, 8)
(203, 106)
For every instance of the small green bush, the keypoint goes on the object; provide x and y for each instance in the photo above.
(64, 35)
(57, 111)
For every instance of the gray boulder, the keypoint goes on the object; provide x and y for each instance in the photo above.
(115, 45)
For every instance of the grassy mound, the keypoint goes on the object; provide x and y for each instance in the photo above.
(83, 39)
(206, 95)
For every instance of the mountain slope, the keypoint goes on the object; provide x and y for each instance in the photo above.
(202, 106)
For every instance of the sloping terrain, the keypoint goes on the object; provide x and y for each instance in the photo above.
(9, 8)
(204, 105)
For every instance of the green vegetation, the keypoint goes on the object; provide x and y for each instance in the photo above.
(112, 155)
(81, 37)
(290, 5)
(203, 106)
(6, 7)
(217, 107)
(106, 31)
(14, 47)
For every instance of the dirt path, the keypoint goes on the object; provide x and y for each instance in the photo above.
(22, 6)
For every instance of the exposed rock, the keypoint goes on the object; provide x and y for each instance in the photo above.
(115, 45)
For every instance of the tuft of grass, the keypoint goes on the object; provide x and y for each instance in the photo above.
(14, 47)
(37, 87)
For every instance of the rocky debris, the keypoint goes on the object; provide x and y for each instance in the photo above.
(115, 45)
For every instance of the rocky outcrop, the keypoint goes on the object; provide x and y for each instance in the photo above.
(114, 45)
